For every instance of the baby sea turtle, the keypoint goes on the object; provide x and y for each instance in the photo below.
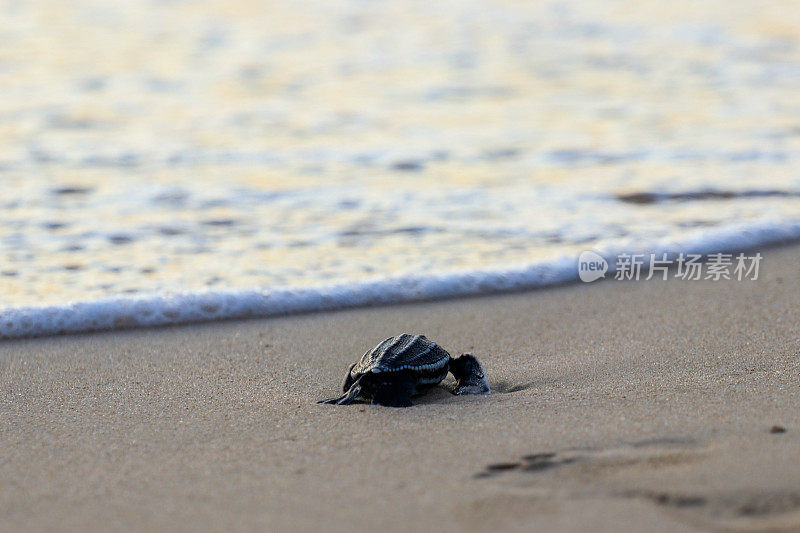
(405, 365)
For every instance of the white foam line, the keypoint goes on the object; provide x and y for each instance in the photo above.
(182, 308)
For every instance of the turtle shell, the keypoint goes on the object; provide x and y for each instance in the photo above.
(404, 352)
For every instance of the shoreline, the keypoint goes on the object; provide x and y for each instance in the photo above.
(614, 405)
(138, 311)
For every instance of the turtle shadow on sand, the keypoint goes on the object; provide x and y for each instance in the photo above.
(442, 393)
(435, 395)
(507, 387)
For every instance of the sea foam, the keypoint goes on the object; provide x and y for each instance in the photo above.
(183, 308)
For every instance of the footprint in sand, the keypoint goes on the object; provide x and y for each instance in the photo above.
(578, 468)
(587, 461)
(742, 510)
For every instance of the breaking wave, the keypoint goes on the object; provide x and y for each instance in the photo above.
(163, 309)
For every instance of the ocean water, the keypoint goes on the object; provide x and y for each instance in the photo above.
(169, 161)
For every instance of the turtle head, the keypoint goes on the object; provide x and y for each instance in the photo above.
(469, 374)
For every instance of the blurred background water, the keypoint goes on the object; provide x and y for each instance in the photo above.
(151, 146)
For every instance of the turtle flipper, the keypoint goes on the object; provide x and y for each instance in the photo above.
(348, 379)
(469, 374)
(395, 393)
(347, 398)
(351, 389)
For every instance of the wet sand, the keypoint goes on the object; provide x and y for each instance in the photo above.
(616, 406)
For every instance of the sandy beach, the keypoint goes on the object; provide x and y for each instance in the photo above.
(645, 406)
(176, 172)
